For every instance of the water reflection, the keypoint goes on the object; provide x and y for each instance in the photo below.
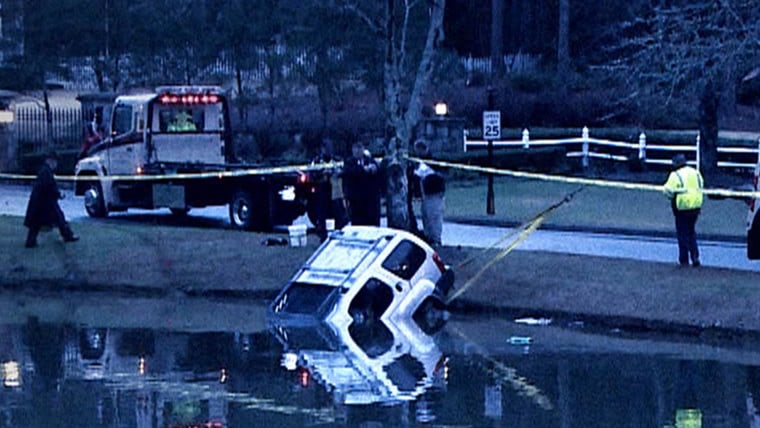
(64, 374)
(366, 363)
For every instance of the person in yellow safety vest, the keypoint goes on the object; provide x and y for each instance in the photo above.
(684, 188)
(182, 122)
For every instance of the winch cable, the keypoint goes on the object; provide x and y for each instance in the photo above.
(525, 230)
(522, 226)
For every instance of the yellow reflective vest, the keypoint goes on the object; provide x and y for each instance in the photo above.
(685, 185)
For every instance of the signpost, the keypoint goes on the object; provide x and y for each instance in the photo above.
(491, 125)
(491, 131)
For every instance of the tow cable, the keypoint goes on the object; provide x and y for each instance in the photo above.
(523, 231)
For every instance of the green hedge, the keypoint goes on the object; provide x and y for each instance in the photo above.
(30, 163)
(539, 159)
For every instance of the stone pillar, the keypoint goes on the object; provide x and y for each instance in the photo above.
(8, 137)
(443, 134)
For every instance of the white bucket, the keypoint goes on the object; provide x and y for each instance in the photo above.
(330, 224)
(297, 234)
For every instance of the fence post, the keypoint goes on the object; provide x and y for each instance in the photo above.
(698, 157)
(642, 147)
(584, 136)
(526, 138)
(464, 140)
(758, 150)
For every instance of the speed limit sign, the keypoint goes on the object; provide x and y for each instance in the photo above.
(491, 125)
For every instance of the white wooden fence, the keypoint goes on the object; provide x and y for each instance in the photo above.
(595, 148)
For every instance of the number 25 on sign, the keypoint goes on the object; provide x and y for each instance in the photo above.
(491, 125)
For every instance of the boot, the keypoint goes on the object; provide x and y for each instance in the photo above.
(67, 234)
(31, 238)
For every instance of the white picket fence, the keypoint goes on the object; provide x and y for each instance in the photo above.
(594, 148)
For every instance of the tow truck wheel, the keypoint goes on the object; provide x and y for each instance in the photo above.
(241, 211)
(93, 201)
(179, 212)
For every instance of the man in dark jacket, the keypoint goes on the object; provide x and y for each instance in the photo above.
(362, 187)
(43, 210)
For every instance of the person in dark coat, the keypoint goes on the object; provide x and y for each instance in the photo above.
(361, 183)
(43, 209)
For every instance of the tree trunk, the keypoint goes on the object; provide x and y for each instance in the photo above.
(397, 187)
(403, 121)
(708, 130)
(563, 44)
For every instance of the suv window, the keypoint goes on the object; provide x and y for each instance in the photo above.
(304, 298)
(371, 301)
(405, 260)
(122, 119)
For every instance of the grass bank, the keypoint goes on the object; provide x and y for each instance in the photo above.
(120, 256)
(113, 255)
(594, 208)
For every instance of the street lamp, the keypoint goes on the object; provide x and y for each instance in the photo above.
(6, 116)
(441, 109)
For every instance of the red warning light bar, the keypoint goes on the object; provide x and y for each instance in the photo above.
(170, 98)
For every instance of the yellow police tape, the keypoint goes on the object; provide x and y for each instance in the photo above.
(184, 176)
(526, 232)
(540, 216)
(727, 193)
(579, 180)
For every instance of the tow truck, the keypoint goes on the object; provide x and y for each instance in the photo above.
(173, 148)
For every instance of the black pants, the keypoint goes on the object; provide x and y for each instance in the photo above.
(59, 222)
(687, 236)
(365, 211)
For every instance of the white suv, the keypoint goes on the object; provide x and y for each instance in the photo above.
(365, 274)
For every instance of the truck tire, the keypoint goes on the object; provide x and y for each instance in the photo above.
(753, 240)
(241, 211)
(94, 203)
(179, 212)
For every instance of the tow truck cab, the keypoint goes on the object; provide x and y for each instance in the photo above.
(182, 130)
(753, 219)
(363, 274)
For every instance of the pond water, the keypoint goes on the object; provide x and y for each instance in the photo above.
(212, 364)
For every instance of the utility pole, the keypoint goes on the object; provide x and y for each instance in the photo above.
(107, 28)
(497, 40)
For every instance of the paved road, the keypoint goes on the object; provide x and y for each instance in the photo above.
(714, 253)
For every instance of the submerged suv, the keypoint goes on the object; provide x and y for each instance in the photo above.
(753, 220)
(382, 363)
(362, 274)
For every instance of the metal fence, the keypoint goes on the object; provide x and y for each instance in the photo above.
(512, 63)
(586, 147)
(37, 132)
